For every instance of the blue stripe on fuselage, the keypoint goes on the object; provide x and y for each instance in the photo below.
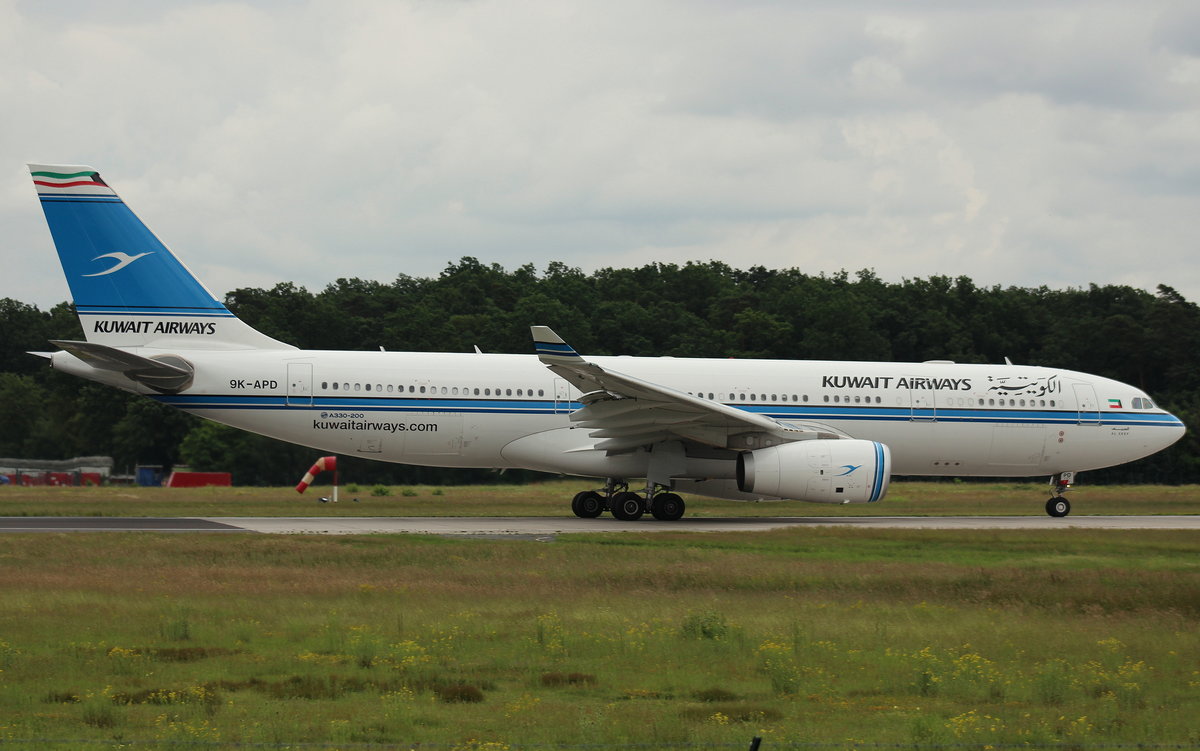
(542, 406)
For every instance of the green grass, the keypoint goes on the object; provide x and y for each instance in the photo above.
(820, 635)
(553, 499)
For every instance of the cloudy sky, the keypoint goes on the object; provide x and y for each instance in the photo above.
(1022, 143)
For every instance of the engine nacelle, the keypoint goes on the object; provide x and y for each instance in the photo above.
(821, 471)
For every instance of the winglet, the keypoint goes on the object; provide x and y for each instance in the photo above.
(551, 348)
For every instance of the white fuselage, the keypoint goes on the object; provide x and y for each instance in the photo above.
(490, 410)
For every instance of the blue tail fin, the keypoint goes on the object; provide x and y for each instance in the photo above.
(129, 289)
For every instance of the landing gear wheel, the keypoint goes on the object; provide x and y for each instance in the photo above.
(587, 505)
(1058, 507)
(628, 507)
(667, 507)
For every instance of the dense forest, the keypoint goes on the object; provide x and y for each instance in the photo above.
(698, 309)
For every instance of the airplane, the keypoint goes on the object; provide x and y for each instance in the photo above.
(741, 429)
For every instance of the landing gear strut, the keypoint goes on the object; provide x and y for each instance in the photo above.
(1060, 483)
(626, 505)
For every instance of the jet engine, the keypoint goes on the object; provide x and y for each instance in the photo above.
(821, 471)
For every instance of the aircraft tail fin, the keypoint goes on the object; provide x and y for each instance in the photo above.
(129, 289)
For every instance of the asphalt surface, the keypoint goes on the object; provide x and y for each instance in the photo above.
(541, 526)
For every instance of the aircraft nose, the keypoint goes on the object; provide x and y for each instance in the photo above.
(1174, 431)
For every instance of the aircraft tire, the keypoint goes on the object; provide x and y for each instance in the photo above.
(1058, 507)
(587, 505)
(628, 507)
(667, 507)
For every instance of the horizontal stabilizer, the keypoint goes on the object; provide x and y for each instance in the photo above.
(166, 373)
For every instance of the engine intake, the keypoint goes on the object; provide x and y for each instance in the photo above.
(821, 471)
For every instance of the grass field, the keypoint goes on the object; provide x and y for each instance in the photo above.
(839, 637)
(553, 499)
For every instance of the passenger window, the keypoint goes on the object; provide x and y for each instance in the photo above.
(836, 399)
(422, 389)
(827, 398)
(389, 388)
(541, 392)
(358, 387)
(476, 391)
(345, 386)
(411, 389)
(752, 397)
(368, 387)
(1051, 402)
(508, 392)
(335, 385)
(324, 385)
(487, 392)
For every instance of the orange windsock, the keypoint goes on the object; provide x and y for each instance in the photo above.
(324, 464)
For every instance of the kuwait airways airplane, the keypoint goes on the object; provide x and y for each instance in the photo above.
(827, 432)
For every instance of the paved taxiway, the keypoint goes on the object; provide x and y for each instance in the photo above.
(535, 526)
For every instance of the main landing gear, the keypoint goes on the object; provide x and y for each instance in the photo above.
(1058, 506)
(628, 506)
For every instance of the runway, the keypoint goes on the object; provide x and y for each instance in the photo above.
(543, 526)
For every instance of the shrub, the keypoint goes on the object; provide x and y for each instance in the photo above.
(459, 693)
(707, 625)
(99, 715)
(568, 679)
(380, 491)
(714, 695)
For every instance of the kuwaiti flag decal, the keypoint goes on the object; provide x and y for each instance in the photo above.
(81, 181)
(1114, 403)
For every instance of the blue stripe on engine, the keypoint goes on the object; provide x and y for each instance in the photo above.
(878, 487)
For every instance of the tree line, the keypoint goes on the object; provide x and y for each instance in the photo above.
(1150, 340)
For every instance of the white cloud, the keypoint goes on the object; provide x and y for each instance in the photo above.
(1028, 143)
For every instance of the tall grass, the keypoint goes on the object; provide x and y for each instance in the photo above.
(800, 636)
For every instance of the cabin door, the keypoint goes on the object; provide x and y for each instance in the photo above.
(299, 384)
(1088, 405)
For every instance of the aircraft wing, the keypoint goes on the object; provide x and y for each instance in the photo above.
(167, 374)
(626, 412)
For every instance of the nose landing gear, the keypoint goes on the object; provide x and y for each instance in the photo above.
(1060, 483)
